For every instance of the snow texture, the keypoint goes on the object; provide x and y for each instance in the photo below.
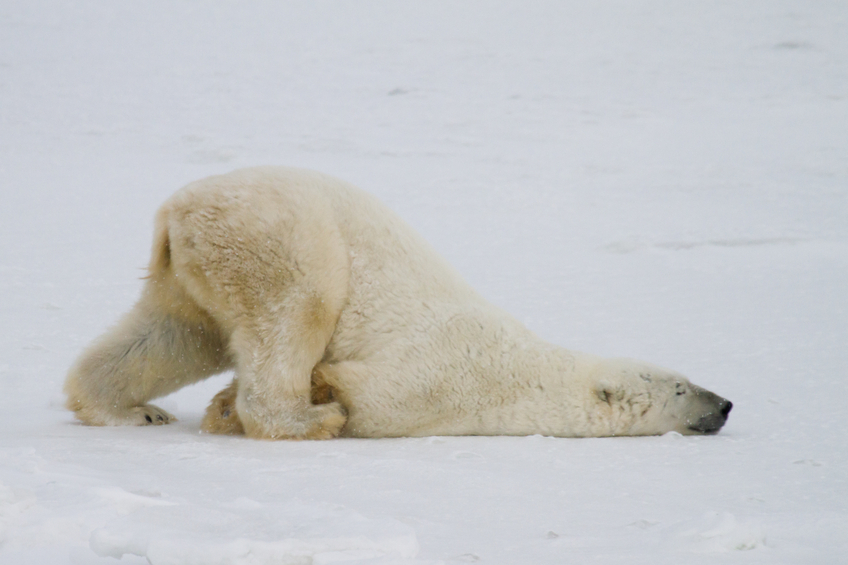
(650, 179)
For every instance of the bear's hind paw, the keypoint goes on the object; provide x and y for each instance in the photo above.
(144, 415)
(328, 424)
(324, 421)
(149, 415)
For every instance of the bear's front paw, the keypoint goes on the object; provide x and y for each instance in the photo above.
(221, 415)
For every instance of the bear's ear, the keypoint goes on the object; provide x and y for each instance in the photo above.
(609, 393)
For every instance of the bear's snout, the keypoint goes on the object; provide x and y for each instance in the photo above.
(726, 408)
(711, 412)
(715, 418)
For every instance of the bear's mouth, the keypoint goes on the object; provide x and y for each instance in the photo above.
(706, 429)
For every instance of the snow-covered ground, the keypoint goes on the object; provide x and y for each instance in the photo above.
(650, 179)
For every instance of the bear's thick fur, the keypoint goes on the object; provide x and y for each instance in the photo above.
(339, 320)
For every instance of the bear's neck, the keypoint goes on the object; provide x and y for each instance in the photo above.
(535, 387)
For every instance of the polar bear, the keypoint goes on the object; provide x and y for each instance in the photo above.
(339, 320)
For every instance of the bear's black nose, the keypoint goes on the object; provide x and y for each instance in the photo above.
(726, 407)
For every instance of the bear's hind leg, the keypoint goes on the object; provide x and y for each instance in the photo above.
(164, 343)
(275, 356)
(270, 262)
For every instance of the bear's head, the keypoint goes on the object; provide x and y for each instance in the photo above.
(639, 399)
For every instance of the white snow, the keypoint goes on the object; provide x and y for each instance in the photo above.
(650, 179)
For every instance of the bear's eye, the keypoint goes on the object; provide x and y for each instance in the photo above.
(680, 389)
(681, 392)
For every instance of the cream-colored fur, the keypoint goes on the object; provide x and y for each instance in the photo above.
(340, 320)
